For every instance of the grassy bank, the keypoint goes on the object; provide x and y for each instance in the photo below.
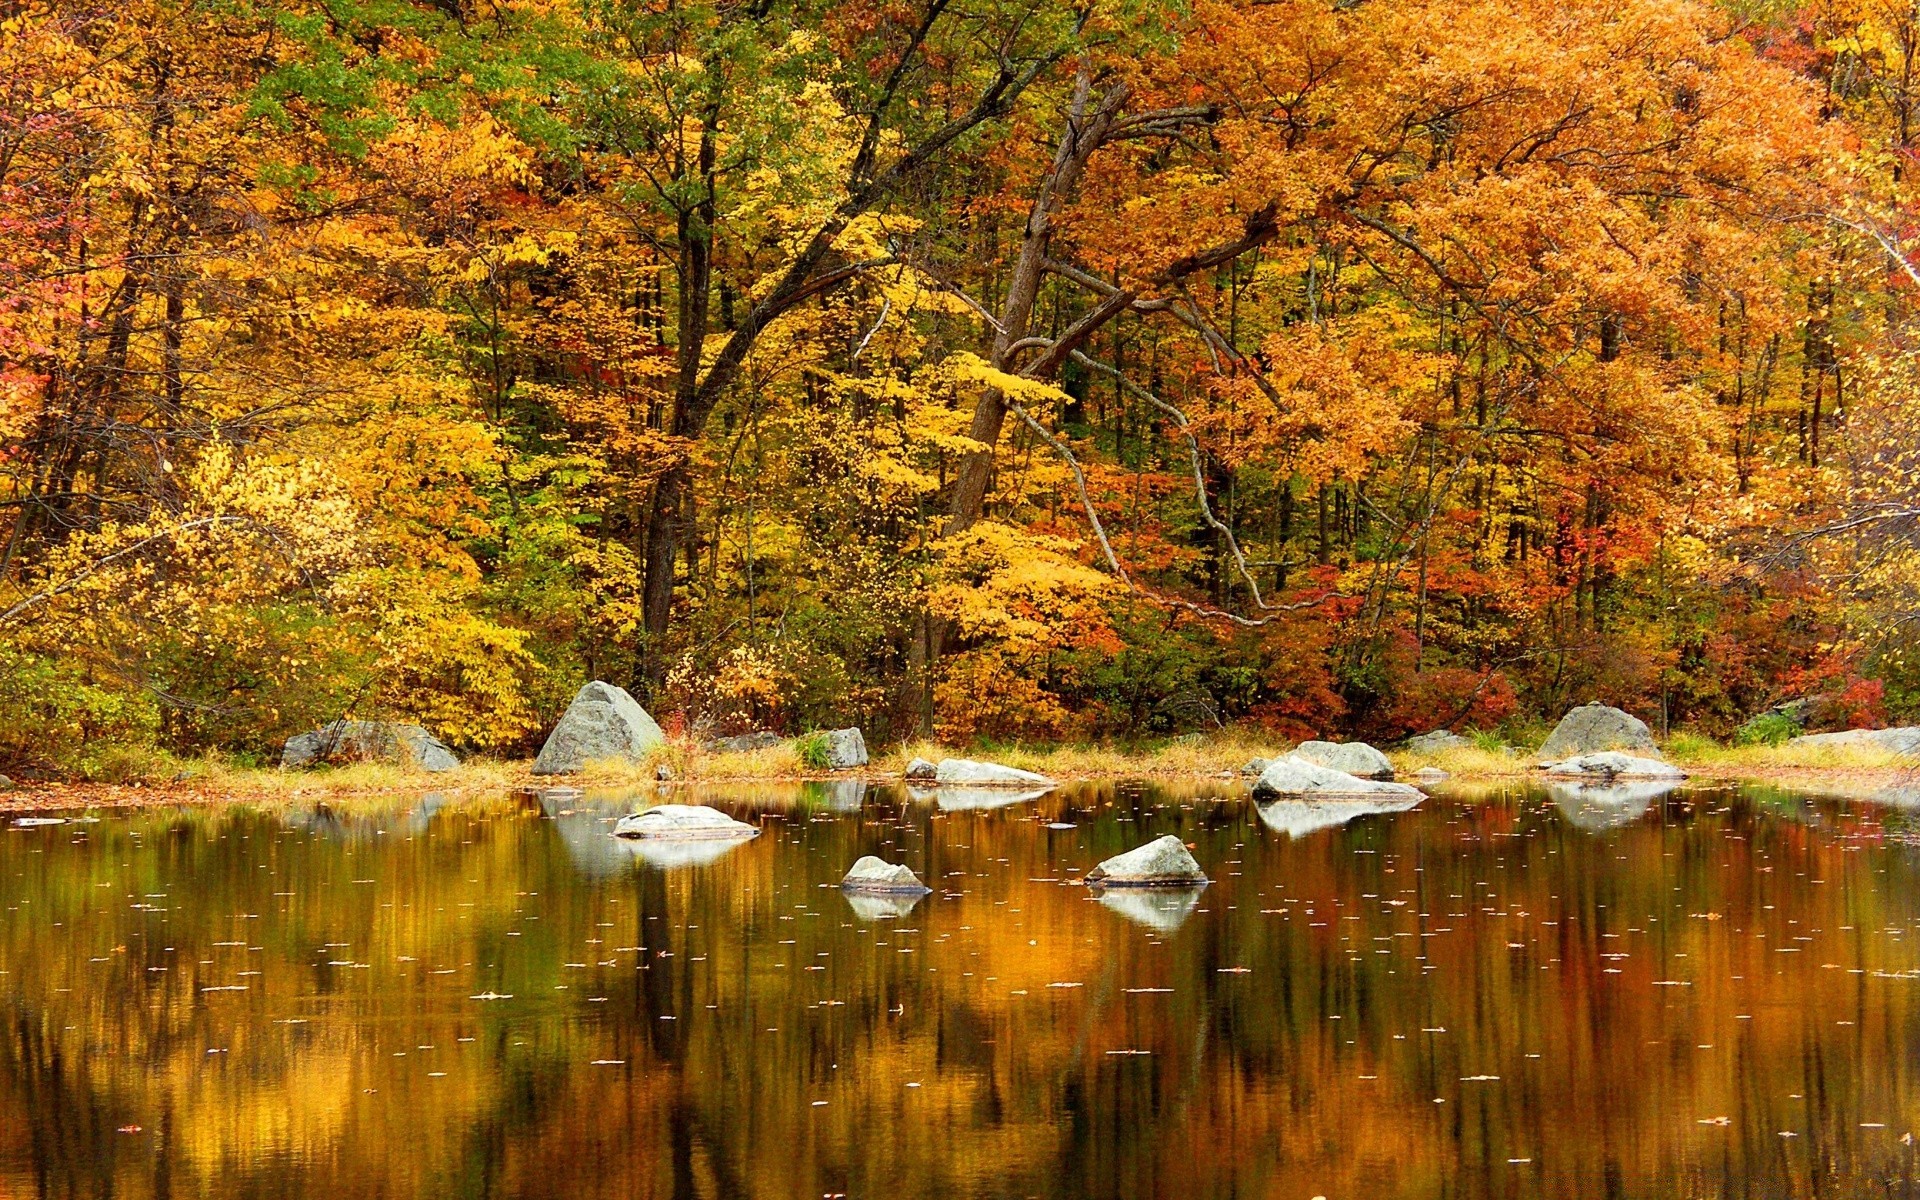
(216, 780)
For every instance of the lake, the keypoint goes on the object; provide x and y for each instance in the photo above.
(1710, 992)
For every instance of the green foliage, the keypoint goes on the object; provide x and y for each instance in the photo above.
(1767, 729)
(812, 749)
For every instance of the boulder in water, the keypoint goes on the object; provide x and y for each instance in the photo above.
(602, 722)
(683, 822)
(1437, 741)
(1163, 862)
(965, 772)
(1903, 740)
(920, 768)
(845, 749)
(1354, 758)
(1594, 727)
(1611, 764)
(1294, 776)
(872, 874)
(368, 741)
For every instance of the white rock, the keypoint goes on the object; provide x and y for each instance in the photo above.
(1903, 740)
(965, 772)
(1355, 758)
(846, 749)
(873, 874)
(683, 822)
(1297, 777)
(920, 768)
(1436, 741)
(1611, 764)
(1594, 727)
(1163, 862)
(602, 722)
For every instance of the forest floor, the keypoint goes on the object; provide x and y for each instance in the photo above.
(1850, 773)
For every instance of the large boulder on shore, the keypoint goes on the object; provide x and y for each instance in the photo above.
(965, 772)
(1292, 776)
(683, 822)
(1355, 758)
(1611, 764)
(1437, 741)
(745, 743)
(846, 749)
(1595, 727)
(602, 722)
(1163, 862)
(874, 874)
(1903, 740)
(368, 741)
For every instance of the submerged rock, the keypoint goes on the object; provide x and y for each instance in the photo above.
(745, 743)
(845, 749)
(1298, 777)
(874, 874)
(1902, 740)
(368, 741)
(1298, 818)
(1163, 862)
(920, 768)
(1355, 758)
(683, 822)
(1437, 741)
(1611, 764)
(965, 772)
(976, 799)
(1594, 727)
(602, 722)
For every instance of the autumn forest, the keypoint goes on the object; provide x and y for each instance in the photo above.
(1102, 370)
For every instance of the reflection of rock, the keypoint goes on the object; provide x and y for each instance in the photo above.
(920, 768)
(1904, 740)
(602, 722)
(835, 795)
(1600, 806)
(1613, 765)
(423, 813)
(368, 741)
(1431, 775)
(957, 799)
(668, 853)
(874, 874)
(1594, 727)
(683, 823)
(1298, 777)
(869, 906)
(1298, 818)
(1162, 910)
(1354, 758)
(1162, 862)
(965, 772)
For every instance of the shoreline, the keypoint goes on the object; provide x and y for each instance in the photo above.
(1844, 780)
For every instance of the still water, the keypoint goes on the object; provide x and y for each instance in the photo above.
(1708, 993)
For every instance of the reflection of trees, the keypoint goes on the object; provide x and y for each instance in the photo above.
(1493, 922)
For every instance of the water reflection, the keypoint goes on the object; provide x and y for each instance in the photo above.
(964, 799)
(1471, 998)
(875, 906)
(1298, 818)
(1162, 910)
(1597, 807)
